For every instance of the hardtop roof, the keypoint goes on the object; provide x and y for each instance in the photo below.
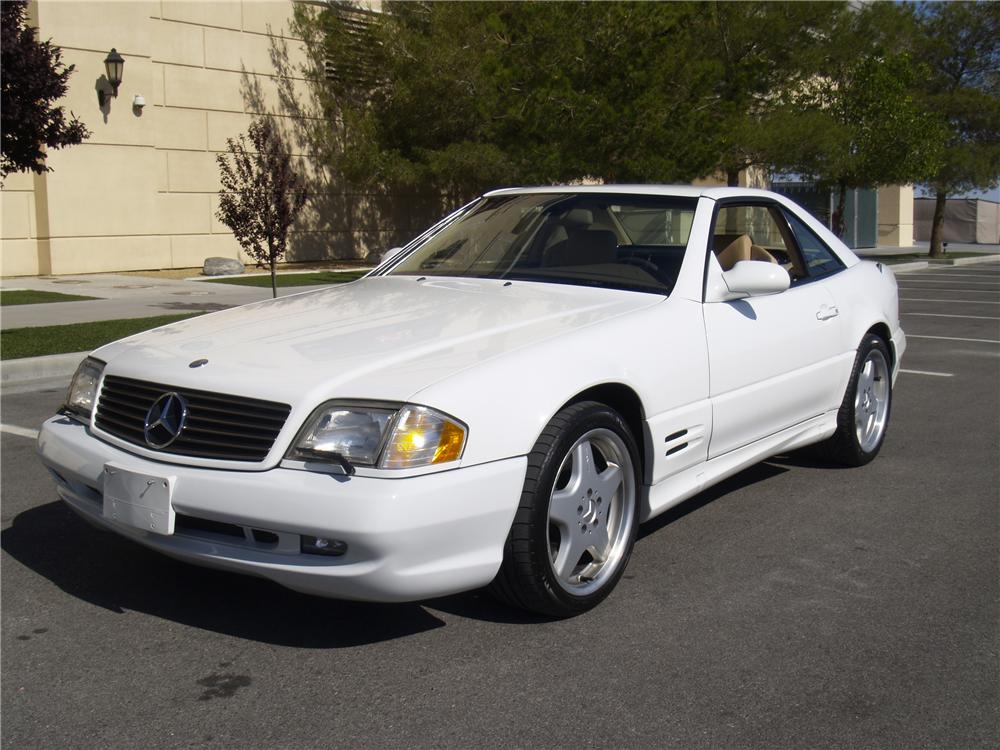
(679, 191)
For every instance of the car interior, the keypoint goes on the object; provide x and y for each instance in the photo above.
(756, 232)
(628, 244)
(622, 241)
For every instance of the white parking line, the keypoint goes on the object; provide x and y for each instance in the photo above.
(992, 270)
(944, 315)
(963, 301)
(920, 280)
(925, 289)
(925, 372)
(956, 277)
(12, 429)
(952, 338)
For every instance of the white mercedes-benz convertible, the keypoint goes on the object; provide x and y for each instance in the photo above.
(501, 403)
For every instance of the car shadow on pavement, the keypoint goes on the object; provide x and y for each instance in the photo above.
(109, 571)
(804, 459)
(747, 477)
(119, 575)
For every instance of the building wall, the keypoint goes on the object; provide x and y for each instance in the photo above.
(142, 190)
(895, 215)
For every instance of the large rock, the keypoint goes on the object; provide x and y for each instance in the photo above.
(221, 267)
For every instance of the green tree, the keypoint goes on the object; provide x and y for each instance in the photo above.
(959, 42)
(473, 95)
(761, 53)
(261, 193)
(32, 79)
(864, 127)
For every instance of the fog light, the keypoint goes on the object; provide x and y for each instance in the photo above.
(318, 545)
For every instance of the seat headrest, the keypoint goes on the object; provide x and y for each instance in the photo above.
(583, 217)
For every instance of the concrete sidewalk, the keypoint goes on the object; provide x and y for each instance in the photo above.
(126, 297)
(984, 254)
(923, 248)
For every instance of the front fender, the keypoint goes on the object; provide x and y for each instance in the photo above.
(659, 352)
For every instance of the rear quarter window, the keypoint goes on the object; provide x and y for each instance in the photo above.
(818, 258)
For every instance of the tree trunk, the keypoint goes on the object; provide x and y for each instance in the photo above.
(937, 224)
(274, 278)
(840, 210)
(732, 177)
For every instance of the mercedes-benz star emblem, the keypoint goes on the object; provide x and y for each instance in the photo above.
(165, 420)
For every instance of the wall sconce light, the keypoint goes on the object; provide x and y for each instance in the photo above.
(114, 64)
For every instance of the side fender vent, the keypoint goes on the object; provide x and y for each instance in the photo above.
(678, 441)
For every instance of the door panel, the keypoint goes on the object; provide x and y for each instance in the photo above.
(774, 362)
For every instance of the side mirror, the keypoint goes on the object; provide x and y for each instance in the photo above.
(389, 255)
(755, 278)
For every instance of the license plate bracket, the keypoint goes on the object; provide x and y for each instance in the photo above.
(139, 500)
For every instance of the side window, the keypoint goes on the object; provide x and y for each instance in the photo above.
(748, 233)
(819, 260)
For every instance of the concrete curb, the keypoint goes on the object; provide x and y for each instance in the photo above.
(28, 369)
(964, 261)
(916, 265)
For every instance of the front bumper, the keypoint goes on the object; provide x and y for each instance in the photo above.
(408, 539)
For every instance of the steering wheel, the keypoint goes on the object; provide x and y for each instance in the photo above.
(643, 263)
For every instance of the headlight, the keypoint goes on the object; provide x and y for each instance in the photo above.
(380, 436)
(83, 389)
(353, 432)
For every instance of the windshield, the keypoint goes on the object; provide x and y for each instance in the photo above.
(633, 242)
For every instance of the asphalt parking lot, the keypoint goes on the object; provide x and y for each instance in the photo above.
(794, 606)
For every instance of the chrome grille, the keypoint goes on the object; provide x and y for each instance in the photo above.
(219, 426)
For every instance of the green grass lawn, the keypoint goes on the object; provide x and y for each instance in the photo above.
(31, 297)
(76, 337)
(294, 279)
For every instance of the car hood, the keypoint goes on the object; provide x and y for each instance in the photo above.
(383, 337)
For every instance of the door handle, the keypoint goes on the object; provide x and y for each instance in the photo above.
(826, 312)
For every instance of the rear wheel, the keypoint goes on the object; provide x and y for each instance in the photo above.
(574, 529)
(864, 414)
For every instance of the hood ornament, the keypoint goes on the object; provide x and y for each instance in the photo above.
(198, 363)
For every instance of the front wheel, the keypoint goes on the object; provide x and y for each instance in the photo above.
(864, 414)
(574, 529)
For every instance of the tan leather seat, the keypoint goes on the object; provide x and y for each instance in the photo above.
(759, 253)
(584, 248)
(734, 252)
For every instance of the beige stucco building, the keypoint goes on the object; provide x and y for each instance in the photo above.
(895, 215)
(141, 192)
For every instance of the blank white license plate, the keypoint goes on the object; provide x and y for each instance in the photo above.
(139, 500)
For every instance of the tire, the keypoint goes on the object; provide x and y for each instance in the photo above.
(576, 522)
(863, 418)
